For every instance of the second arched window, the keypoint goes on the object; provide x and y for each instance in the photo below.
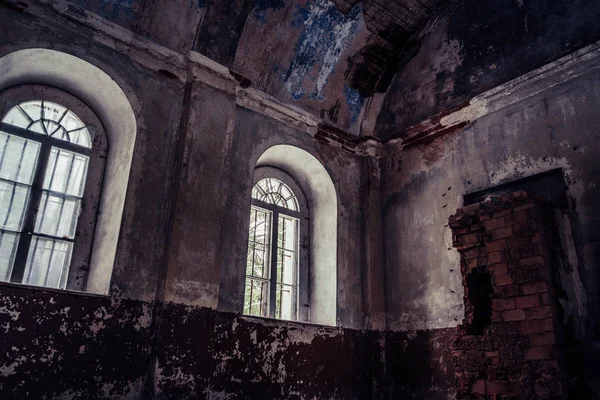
(275, 269)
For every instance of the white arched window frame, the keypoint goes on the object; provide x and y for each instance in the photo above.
(110, 103)
(52, 152)
(317, 186)
(277, 268)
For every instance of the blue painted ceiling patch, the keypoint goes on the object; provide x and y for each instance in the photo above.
(326, 33)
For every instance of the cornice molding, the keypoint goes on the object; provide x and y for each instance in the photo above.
(569, 67)
(196, 67)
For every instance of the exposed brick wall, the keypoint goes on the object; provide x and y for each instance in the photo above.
(517, 354)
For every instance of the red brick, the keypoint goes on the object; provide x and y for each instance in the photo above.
(519, 194)
(517, 241)
(503, 304)
(541, 261)
(501, 233)
(502, 213)
(528, 301)
(468, 239)
(499, 268)
(474, 252)
(497, 316)
(546, 299)
(493, 387)
(502, 280)
(535, 287)
(542, 312)
(542, 339)
(524, 207)
(516, 218)
(471, 208)
(536, 326)
(507, 291)
(513, 315)
(495, 246)
(472, 263)
(538, 353)
(478, 387)
(494, 224)
(496, 257)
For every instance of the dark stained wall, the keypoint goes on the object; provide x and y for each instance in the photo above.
(58, 345)
(472, 46)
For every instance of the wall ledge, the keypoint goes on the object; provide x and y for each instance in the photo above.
(567, 68)
(197, 67)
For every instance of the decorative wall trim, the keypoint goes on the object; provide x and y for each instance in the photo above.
(196, 67)
(564, 69)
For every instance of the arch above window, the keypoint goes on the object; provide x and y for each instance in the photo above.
(321, 201)
(50, 119)
(104, 96)
(274, 191)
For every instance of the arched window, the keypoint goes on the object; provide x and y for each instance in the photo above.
(51, 167)
(277, 264)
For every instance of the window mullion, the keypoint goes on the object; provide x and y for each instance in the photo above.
(274, 253)
(33, 206)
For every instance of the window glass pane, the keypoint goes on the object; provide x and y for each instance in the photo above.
(48, 262)
(51, 119)
(13, 201)
(57, 216)
(287, 266)
(66, 172)
(285, 302)
(288, 233)
(259, 254)
(18, 158)
(274, 191)
(8, 248)
(256, 297)
(17, 117)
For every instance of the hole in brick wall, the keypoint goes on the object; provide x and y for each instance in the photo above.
(480, 290)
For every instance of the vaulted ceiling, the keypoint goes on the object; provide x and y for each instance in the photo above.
(326, 56)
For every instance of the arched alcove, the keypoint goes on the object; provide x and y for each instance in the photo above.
(321, 196)
(104, 96)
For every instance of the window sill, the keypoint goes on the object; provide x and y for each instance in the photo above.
(273, 321)
(31, 288)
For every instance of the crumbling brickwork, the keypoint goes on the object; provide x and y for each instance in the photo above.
(508, 346)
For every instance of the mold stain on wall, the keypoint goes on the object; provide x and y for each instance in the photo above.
(326, 34)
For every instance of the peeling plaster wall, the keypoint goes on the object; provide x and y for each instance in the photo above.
(232, 357)
(228, 357)
(424, 185)
(58, 345)
(472, 46)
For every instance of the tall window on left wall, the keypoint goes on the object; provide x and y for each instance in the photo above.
(45, 153)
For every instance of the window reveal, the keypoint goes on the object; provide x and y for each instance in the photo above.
(272, 282)
(44, 158)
